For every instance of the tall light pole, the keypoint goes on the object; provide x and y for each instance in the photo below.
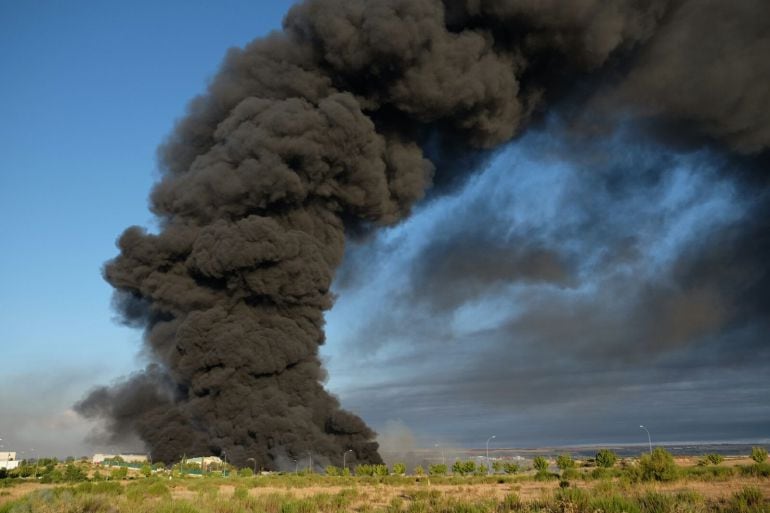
(255, 464)
(36, 461)
(649, 439)
(488, 439)
(296, 467)
(310, 462)
(344, 455)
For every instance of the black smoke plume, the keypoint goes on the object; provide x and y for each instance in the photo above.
(339, 124)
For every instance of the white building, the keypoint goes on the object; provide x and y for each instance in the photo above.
(128, 458)
(8, 460)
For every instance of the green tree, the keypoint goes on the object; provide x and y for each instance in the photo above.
(658, 466)
(463, 468)
(74, 473)
(331, 470)
(540, 464)
(246, 472)
(481, 470)
(510, 468)
(146, 470)
(565, 462)
(381, 470)
(365, 470)
(606, 458)
(759, 454)
(438, 469)
(419, 471)
(399, 469)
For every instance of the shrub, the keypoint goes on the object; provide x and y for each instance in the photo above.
(497, 466)
(146, 470)
(511, 468)
(246, 472)
(614, 504)
(365, 470)
(570, 473)
(380, 470)
(606, 458)
(656, 502)
(759, 454)
(658, 466)
(572, 499)
(399, 469)
(756, 470)
(74, 473)
(540, 464)
(564, 462)
(439, 469)
(119, 473)
(464, 467)
(714, 459)
(331, 470)
(419, 471)
(747, 499)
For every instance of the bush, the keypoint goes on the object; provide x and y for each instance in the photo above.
(759, 454)
(381, 470)
(439, 469)
(747, 500)
(73, 473)
(606, 458)
(656, 502)
(756, 470)
(365, 470)
(331, 470)
(399, 469)
(564, 462)
(146, 470)
(540, 464)
(464, 467)
(658, 466)
(419, 471)
(511, 468)
(246, 472)
(714, 459)
(119, 473)
(614, 504)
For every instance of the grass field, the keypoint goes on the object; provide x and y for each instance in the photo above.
(738, 486)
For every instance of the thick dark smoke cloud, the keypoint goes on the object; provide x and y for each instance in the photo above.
(340, 123)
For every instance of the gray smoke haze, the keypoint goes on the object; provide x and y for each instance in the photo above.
(339, 124)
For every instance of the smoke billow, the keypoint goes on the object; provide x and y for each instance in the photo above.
(339, 124)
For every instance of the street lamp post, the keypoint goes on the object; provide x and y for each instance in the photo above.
(649, 439)
(310, 462)
(36, 461)
(488, 439)
(255, 464)
(296, 466)
(344, 456)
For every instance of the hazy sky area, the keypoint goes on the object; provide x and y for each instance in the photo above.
(566, 293)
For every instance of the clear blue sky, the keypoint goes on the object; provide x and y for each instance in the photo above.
(88, 91)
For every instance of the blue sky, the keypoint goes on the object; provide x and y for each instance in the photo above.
(89, 90)
(568, 326)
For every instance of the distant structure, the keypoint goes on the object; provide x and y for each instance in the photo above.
(204, 461)
(8, 460)
(128, 458)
